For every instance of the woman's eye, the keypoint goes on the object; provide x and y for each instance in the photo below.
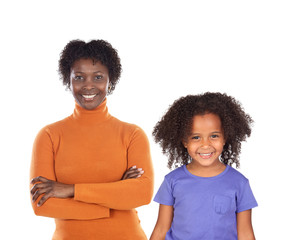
(78, 78)
(99, 77)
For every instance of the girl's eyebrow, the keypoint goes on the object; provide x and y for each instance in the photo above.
(200, 133)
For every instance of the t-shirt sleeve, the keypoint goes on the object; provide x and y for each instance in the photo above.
(245, 198)
(164, 194)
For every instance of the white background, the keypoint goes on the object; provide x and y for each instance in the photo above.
(248, 49)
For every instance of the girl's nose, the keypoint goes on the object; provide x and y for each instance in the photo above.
(205, 142)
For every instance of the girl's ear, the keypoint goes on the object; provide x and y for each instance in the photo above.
(184, 143)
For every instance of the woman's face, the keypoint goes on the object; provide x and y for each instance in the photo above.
(89, 82)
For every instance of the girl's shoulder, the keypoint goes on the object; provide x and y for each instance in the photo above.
(235, 174)
(176, 173)
(236, 178)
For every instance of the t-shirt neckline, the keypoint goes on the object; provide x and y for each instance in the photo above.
(207, 178)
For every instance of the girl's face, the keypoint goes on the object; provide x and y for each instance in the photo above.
(89, 83)
(206, 141)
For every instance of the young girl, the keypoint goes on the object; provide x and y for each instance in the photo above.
(204, 198)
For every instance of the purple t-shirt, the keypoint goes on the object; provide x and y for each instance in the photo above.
(205, 207)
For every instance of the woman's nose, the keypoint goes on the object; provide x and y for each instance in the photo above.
(88, 84)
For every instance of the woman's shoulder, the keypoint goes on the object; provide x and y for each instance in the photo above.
(50, 132)
(125, 126)
(55, 126)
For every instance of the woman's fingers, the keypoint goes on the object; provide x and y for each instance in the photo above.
(40, 188)
(43, 199)
(133, 172)
(39, 192)
(125, 175)
(48, 188)
(39, 179)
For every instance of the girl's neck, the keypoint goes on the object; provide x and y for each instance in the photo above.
(205, 171)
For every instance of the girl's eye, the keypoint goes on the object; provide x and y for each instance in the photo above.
(214, 136)
(196, 137)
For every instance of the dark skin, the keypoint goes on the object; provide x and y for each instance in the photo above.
(49, 188)
(89, 83)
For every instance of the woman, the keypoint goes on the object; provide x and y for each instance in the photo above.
(83, 167)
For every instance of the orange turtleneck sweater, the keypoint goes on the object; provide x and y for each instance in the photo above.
(92, 150)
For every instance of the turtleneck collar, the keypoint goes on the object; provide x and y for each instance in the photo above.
(94, 116)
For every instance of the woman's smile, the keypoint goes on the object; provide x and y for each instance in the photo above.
(89, 83)
(89, 97)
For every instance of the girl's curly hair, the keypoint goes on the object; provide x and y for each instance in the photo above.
(176, 125)
(97, 50)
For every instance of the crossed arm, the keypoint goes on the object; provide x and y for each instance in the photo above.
(89, 200)
(51, 189)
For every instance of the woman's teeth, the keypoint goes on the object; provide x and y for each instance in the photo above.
(89, 96)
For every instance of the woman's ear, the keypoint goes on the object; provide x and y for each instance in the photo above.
(109, 87)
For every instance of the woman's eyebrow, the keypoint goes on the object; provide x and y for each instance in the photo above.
(93, 72)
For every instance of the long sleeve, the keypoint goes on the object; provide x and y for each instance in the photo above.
(126, 194)
(43, 164)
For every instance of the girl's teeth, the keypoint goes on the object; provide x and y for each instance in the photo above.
(205, 154)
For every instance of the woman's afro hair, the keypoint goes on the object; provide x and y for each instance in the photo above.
(175, 126)
(97, 50)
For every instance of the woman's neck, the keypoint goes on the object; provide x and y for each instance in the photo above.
(94, 116)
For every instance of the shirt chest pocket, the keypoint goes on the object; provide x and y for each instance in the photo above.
(222, 204)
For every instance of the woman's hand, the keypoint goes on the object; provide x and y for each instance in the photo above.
(50, 189)
(132, 173)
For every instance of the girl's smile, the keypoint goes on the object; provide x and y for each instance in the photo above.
(205, 155)
(205, 143)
